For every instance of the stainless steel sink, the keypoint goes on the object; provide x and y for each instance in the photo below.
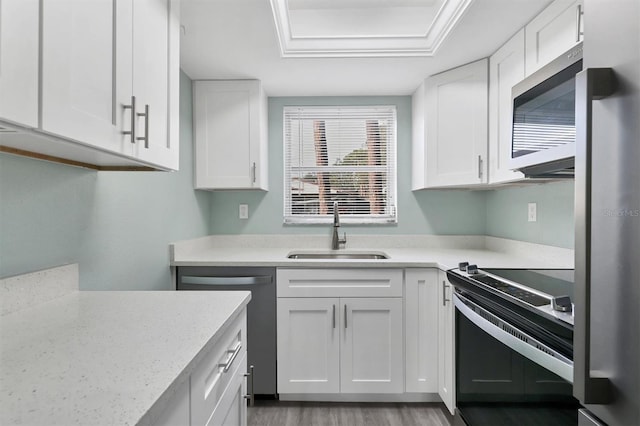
(337, 255)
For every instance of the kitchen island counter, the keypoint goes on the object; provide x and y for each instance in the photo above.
(114, 357)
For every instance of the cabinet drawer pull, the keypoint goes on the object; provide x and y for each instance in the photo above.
(444, 293)
(145, 114)
(253, 173)
(252, 395)
(131, 132)
(479, 166)
(334, 317)
(345, 316)
(579, 14)
(234, 353)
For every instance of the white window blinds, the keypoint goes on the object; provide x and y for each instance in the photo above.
(340, 154)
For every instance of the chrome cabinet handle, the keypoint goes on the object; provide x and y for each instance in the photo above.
(145, 114)
(334, 316)
(345, 316)
(479, 166)
(131, 132)
(579, 14)
(444, 293)
(234, 353)
(591, 84)
(253, 173)
(252, 395)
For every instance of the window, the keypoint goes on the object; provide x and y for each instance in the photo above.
(340, 154)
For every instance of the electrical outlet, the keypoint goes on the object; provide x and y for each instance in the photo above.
(243, 211)
(532, 213)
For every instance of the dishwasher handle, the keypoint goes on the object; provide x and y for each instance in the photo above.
(220, 281)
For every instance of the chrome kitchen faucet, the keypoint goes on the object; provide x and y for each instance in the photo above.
(336, 240)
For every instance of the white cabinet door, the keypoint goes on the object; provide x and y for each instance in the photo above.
(230, 134)
(506, 68)
(19, 32)
(421, 330)
(456, 126)
(232, 406)
(371, 359)
(86, 71)
(155, 25)
(446, 343)
(555, 30)
(308, 345)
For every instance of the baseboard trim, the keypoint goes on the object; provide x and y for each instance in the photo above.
(357, 397)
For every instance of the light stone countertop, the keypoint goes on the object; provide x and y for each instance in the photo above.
(94, 358)
(443, 252)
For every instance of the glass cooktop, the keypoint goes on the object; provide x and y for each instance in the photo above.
(554, 282)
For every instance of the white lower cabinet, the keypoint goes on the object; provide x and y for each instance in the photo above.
(308, 345)
(446, 342)
(331, 345)
(371, 345)
(421, 330)
(214, 394)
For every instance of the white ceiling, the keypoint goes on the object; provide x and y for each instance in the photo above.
(236, 39)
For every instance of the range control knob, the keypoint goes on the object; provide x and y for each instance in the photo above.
(472, 270)
(562, 303)
(463, 266)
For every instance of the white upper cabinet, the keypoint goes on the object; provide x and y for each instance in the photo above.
(155, 65)
(87, 72)
(450, 128)
(96, 57)
(506, 68)
(19, 33)
(555, 30)
(230, 134)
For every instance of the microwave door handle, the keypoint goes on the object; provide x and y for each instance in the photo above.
(589, 387)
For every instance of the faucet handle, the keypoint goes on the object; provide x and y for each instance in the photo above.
(343, 241)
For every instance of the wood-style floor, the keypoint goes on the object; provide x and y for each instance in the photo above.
(280, 413)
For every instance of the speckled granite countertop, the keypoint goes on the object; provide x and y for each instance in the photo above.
(94, 358)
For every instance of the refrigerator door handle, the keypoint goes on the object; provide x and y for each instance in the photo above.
(589, 387)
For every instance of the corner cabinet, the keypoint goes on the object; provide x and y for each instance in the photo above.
(555, 30)
(109, 85)
(340, 331)
(230, 127)
(506, 68)
(450, 128)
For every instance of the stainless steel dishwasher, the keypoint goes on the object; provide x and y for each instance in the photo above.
(261, 313)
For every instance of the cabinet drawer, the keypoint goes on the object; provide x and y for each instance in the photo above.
(339, 282)
(214, 373)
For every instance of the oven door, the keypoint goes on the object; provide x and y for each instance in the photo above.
(514, 338)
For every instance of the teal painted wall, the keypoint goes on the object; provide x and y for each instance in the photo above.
(507, 213)
(424, 212)
(117, 225)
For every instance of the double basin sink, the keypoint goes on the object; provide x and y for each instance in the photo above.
(331, 255)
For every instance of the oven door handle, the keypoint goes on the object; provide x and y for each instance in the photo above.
(524, 344)
(590, 387)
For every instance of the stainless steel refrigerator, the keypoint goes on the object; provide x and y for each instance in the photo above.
(607, 319)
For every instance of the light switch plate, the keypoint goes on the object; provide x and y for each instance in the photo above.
(243, 211)
(532, 212)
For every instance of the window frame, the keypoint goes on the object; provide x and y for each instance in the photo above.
(389, 169)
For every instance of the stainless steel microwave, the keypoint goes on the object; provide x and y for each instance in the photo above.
(544, 131)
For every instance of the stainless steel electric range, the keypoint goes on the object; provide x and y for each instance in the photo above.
(514, 346)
